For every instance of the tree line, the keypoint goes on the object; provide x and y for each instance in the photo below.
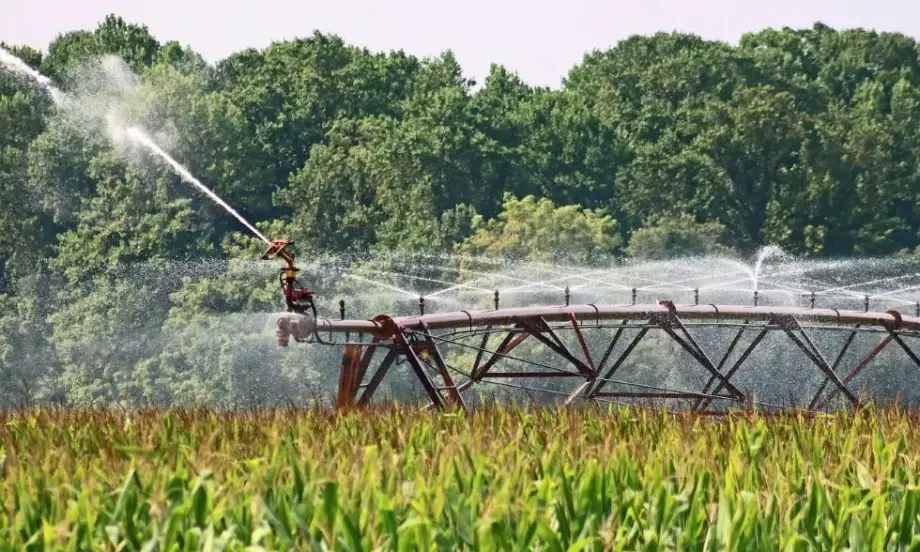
(661, 145)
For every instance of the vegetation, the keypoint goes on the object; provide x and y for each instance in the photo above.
(499, 479)
(661, 145)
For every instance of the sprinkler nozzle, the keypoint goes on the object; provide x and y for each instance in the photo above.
(284, 332)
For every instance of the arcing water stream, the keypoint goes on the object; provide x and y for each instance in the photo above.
(140, 137)
(724, 279)
(248, 360)
(16, 65)
(134, 133)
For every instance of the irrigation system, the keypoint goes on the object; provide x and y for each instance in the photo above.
(725, 356)
(585, 353)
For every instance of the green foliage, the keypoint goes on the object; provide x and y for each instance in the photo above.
(499, 479)
(115, 36)
(536, 230)
(807, 139)
(680, 236)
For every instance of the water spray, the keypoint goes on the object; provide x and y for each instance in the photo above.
(15, 64)
(140, 137)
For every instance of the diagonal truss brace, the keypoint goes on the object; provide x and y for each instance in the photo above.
(671, 321)
(790, 326)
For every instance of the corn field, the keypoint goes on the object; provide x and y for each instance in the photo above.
(502, 478)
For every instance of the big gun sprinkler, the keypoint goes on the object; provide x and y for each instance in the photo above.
(298, 298)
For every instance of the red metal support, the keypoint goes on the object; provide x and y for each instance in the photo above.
(790, 325)
(734, 369)
(368, 358)
(690, 345)
(859, 368)
(348, 377)
(837, 361)
(601, 382)
(482, 349)
(725, 356)
(453, 393)
(538, 327)
(510, 343)
(584, 346)
(612, 346)
(416, 364)
(900, 342)
(377, 378)
(425, 340)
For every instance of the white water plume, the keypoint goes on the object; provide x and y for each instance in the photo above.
(140, 137)
(778, 278)
(762, 255)
(15, 64)
(104, 98)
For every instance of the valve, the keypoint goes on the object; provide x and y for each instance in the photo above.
(298, 298)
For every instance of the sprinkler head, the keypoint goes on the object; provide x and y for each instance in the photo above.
(298, 326)
(283, 333)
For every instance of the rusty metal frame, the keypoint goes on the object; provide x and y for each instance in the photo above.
(420, 341)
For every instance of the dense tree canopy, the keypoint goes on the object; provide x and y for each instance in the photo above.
(662, 145)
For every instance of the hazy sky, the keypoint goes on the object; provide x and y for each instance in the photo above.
(539, 39)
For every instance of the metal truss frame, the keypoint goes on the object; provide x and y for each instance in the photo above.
(419, 342)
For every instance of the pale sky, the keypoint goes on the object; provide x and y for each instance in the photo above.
(540, 40)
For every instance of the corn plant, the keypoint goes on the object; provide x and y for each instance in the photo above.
(501, 478)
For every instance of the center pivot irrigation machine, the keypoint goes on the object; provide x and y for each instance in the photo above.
(809, 358)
